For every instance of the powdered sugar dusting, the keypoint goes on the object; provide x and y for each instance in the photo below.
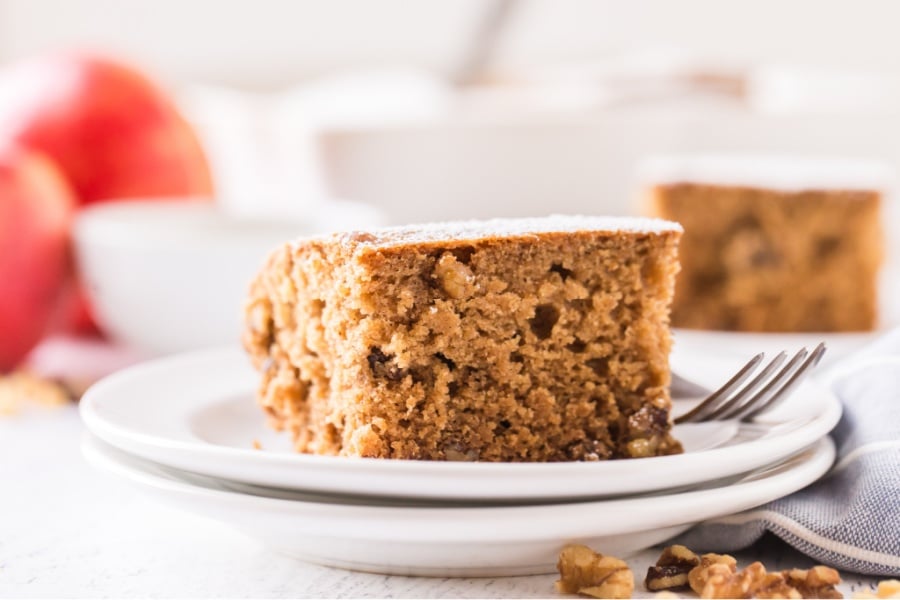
(769, 172)
(506, 228)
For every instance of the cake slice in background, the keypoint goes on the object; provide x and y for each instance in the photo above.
(506, 340)
(773, 244)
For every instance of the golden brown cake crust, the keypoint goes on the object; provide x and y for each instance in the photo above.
(774, 260)
(520, 344)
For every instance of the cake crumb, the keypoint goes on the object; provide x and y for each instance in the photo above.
(21, 387)
(257, 445)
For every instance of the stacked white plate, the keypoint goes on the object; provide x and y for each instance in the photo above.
(185, 429)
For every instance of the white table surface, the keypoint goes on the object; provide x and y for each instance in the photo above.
(67, 530)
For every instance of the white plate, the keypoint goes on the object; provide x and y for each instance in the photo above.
(196, 412)
(457, 541)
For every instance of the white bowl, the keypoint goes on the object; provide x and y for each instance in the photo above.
(166, 276)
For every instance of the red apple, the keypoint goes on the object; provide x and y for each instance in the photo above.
(114, 133)
(36, 207)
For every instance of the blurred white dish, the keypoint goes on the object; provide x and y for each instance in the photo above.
(167, 276)
(196, 412)
(455, 541)
(745, 345)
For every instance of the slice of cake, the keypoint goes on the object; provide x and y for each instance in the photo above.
(508, 340)
(773, 244)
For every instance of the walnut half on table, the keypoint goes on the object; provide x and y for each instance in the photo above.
(22, 388)
(717, 576)
(671, 570)
(889, 588)
(583, 571)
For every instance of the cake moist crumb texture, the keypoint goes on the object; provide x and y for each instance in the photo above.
(774, 260)
(520, 340)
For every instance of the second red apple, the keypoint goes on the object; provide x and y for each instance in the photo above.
(36, 208)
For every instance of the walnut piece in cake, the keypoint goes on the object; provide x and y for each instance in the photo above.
(775, 245)
(519, 340)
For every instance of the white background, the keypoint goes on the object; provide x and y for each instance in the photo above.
(277, 42)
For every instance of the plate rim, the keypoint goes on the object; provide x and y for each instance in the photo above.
(812, 462)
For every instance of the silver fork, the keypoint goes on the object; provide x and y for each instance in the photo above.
(736, 400)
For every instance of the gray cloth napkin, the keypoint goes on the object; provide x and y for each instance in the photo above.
(850, 518)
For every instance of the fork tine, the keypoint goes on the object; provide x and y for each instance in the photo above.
(739, 400)
(763, 396)
(784, 391)
(714, 400)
